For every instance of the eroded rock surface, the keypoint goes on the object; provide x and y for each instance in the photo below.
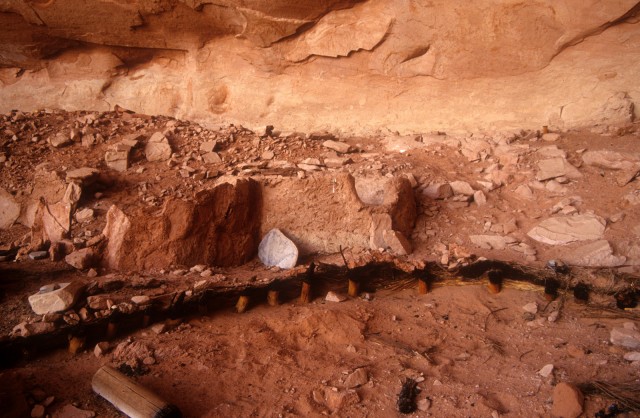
(237, 60)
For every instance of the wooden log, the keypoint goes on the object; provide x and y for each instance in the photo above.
(423, 287)
(354, 288)
(129, 397)
(243, 303)
(273, 297)
(305, 293)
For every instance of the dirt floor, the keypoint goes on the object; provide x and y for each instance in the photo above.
(472, 353)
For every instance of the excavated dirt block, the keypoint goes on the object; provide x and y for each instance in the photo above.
(219, 227)
(318, 214)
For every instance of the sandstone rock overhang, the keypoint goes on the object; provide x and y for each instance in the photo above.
(404, 66)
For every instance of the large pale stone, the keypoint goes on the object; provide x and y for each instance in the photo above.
(462, 187)
(566, 229)
(276, 249)
(118, 160)
(57, 300)
(84, 175)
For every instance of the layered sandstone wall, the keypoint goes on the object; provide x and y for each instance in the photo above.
(342, 65)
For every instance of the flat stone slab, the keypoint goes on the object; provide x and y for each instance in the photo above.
(595, 254)
(562, 230)
(556, 167)
(276, 249)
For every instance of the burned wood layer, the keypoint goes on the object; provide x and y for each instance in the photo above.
(305, 283)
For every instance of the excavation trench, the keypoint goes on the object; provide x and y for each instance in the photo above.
(379, 272)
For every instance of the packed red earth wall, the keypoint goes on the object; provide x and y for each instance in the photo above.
(219, 227)
(342, 65)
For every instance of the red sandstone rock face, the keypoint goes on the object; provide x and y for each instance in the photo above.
(342, 64)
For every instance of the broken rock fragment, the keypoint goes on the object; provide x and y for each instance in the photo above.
(81, 259)
(158, 148)
(340, 147)
(556, 167)
(397, 243)
(9, 209)
(491, 242)
(276, 249)
(566, 229)
(438, 191)
(462, 187)
(117, 160)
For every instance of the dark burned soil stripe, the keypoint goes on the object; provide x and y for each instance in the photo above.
(371, 276)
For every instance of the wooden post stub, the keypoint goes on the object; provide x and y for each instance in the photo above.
(423, 287)
(112, 330)
(129, 397)
(243, 303)
(273, 298)
(76, 344)
(305, 293)
(551, 289)
(495, 281)
(354, 288)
